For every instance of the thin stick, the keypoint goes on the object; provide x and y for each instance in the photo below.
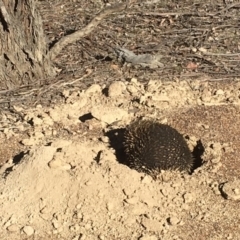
(56, 49)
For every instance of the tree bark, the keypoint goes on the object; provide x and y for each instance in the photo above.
(24, 53)
(23, 47)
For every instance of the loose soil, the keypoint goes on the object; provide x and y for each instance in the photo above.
(69, 182)
(62, 174)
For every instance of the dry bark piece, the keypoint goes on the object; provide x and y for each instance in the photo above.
(144, 60)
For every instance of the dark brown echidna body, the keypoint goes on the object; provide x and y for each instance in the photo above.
(150, 147)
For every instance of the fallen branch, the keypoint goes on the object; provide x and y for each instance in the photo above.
(76, 36)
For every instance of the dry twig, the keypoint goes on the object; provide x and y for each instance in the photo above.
(56, 49)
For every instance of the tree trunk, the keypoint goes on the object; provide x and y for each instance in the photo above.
(24, 53)
(23, 49)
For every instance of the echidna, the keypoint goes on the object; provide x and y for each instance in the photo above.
(151, 146)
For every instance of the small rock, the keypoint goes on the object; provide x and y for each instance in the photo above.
(28, 142)
(37, 121)
(173, 220)
(194, 49)
(230, 236)
(116, 89)
(79, 206)
(82, 237)
(129, 221)
(108, 114)
(105, 139)
(219, 92)
(54, 114)
(13, 228)
(18, 108)
(93, 89)
(79, 215)
(152, 225)
(101, 237)
(28, 230)
(231, 190)
(132, 89)
(147, 179)
(38, 135)
(88, 226)
(188, 197)
(66, 166)
(55, 163)
(110, 206)
(66, 93)
(134, 80)
(216, 159)
(39, 106)
(202, 49)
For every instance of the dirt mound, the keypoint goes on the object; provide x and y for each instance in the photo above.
(70, 182)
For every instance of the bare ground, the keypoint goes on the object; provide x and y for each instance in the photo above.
(62, 176)
(70, 182)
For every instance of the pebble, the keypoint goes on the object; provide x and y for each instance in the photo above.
(88, 226)
(134, 80)
(105, 139)
(147, 179)
(101, 237)
(28, 142)
(188, 197)
(93, 89)
(79, 206)
(55, 163)
(230, 236)
(110, 206)
(202, 49)
(174, 220)
(219, 92)
(37, 121)
(108, 114)
(231, 190)
(28, 230)
(82, 237)
(152, 225)
(116, 89)
(13, 228)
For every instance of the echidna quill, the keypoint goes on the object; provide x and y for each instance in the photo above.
(151, 146)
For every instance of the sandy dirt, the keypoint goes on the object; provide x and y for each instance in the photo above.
(62, 176)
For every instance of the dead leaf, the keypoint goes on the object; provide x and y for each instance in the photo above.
(115, 67)
(192, 66)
